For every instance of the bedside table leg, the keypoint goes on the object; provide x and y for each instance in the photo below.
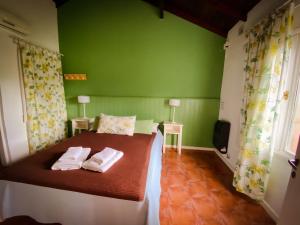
(73, 129)
(164, 145)
(179, 143)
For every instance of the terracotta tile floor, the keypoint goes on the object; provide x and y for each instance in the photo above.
(196, 189)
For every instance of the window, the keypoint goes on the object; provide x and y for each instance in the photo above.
(288, 129)
(295, 132)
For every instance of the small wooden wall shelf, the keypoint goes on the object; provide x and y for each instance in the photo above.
(75, 76)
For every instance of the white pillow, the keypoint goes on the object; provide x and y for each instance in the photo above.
(123, 125)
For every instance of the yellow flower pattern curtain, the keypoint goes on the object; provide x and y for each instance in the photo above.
(44, 95)
(267, 49)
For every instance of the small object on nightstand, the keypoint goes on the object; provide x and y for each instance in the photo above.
(83, 100)
(173, 128)
(81, 124)
(174, 103)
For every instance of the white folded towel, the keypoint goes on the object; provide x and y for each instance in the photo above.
(72, 153)
(66, 166)
(105, 166)
(71, 164)
(104, 156)
(102, 167)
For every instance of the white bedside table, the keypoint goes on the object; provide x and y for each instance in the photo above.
(173, 128)
(81, 124)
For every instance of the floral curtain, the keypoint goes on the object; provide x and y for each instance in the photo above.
(267, 49)
(44, 95)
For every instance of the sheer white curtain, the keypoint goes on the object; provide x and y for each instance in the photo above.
(269, 44)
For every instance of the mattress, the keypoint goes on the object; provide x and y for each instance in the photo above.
(49, 205)
(125, 180)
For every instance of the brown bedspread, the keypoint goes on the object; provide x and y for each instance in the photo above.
(24, 220)
(124, 180)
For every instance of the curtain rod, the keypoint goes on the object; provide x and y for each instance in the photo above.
(284, 4)
(278, 8)
(18, 39)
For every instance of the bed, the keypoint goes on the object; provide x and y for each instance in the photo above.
(128, 193)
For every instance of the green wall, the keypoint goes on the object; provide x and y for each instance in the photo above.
(126, 50)
(197, 115)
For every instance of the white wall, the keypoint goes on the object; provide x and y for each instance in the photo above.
(231, 97)
(41, 18)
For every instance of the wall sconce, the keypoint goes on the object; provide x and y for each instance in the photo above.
(75, 76)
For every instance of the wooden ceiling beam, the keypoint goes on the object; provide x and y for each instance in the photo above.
(228, 10)
(161, 8)
(59, 3)
(202, 22)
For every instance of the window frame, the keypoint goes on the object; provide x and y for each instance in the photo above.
(288, 110)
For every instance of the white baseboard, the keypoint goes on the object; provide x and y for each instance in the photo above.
(264, 204)
(191, 147)
(270, 210)
(225, 160)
